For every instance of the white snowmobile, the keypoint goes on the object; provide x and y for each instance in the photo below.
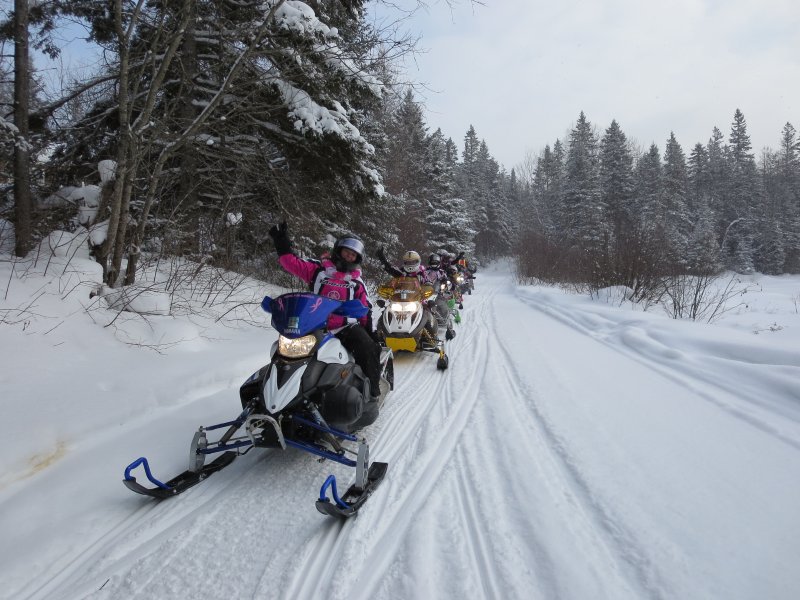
(311, 396)
(407, 324)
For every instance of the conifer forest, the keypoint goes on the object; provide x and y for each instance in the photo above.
(206, 122)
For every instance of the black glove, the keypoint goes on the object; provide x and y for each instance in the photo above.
(460, 256)
(381, 254)
(280, 236)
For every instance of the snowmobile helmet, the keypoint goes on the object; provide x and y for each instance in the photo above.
(411, 261)
(350, 242)
(434, 261)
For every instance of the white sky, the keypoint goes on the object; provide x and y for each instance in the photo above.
(521, 71)
(574, 448)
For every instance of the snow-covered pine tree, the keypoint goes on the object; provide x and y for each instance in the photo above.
(649, 188)
(250, 90)
(742, 197)
(488, 205)
(718, 182)
(703, 252)
(617, 192)
(583, 213)
(677, 220)
(544, 207)
(788, 196)
(449, 225)
(699, 178)
(406, 176)
(616, 179)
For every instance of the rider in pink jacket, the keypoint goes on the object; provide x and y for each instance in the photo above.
(339, 278)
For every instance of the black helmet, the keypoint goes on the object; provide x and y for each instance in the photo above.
(351, 242)
(434, 260)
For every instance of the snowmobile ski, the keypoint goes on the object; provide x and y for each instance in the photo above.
(355, 497)
(177, 484)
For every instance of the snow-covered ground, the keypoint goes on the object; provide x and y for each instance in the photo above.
(574, 449)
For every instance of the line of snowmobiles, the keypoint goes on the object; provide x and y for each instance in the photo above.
(312, 395)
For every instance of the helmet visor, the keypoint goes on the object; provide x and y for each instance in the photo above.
(410, 266)
(353, 244)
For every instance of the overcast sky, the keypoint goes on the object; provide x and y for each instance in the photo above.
(521, 71)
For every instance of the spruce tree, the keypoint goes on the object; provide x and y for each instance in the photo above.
(698, 175)
(406, 177)
(583, 212)
(742, 197)
(677, 220)
(616, 179)
(718, 183)
(448, 226)
(649, 186)
(788, 196)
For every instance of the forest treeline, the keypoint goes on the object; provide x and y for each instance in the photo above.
(210, 121)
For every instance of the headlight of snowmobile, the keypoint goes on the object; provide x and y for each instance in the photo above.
(405, 307)
(459, 279)
(296, 348)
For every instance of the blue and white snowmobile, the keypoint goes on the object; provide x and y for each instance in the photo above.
(311, 396)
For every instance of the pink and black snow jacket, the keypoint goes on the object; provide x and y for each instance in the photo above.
(324, 279)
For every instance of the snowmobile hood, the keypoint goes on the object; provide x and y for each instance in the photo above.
(297, 314)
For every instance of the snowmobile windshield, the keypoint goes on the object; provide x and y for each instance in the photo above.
(406, 289)
(298, 314)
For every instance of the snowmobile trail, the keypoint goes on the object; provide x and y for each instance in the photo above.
(606, 547)
(530, 468)
(739, 397)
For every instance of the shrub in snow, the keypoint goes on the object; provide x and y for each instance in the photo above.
(139, 299)
(65, 244)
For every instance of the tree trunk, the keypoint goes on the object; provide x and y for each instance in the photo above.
(187, 183)
(125, 163)
(22, 174)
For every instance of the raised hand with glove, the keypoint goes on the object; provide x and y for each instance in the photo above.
(387, 266)
(280, 237)
(381, 256)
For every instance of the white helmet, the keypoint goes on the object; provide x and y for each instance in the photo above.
(411, 262)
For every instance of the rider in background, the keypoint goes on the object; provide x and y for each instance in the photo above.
(338, 276)
(412, 266)
(434, 271)
(448, 265)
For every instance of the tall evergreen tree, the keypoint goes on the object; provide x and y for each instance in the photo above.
(699, 178)
(616, 179)
(649, 189)
(678, 222)
(742, 196)
(718, 183)
(703, 252)
(406, 170)
(583, 211)
(448, 226)
(787, 196)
